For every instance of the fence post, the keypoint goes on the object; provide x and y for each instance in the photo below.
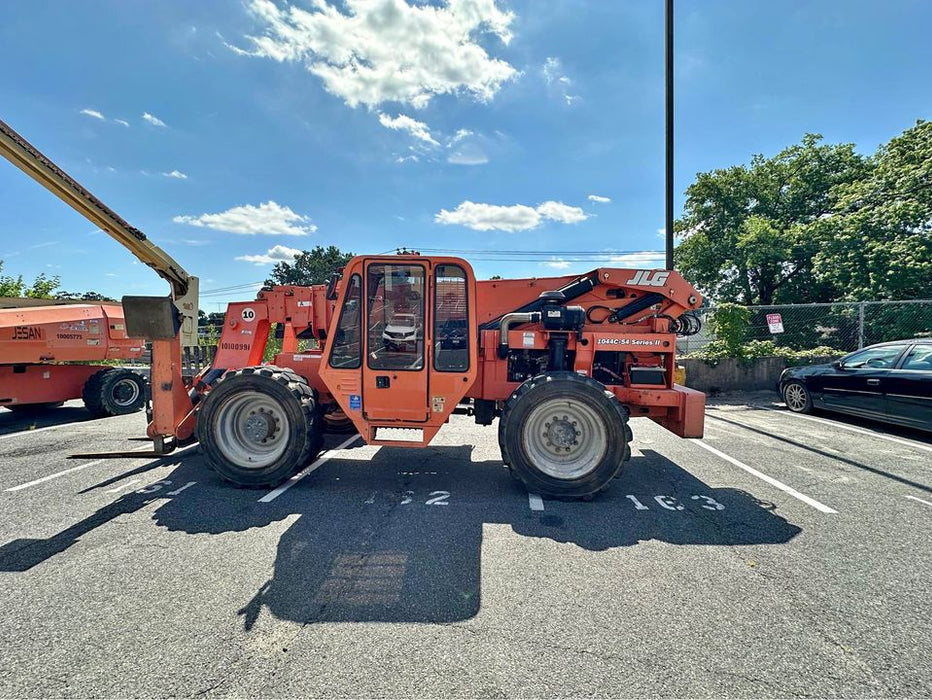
(860, 325)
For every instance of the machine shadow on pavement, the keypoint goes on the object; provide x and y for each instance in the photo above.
(23, 421)
(398, 537)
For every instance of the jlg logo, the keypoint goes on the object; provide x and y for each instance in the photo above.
(649, 279)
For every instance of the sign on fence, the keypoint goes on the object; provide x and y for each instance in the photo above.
(775, 323)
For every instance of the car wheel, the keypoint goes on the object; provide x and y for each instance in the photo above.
(797, 397)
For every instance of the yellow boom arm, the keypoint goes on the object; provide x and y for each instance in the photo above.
(184, 287)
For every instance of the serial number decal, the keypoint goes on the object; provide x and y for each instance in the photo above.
(27, 333)
(69, 336)
(627, 341)
(234, 346)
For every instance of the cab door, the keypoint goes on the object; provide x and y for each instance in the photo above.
(397, 352)
(859, 384)
(909, 388)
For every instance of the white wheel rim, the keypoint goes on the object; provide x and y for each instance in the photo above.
(795, 397)
(125, 392)
(252, 430)
(564, 438)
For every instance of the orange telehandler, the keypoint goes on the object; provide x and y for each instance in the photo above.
(35, 341)
(399, 343)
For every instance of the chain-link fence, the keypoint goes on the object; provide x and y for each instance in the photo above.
(843, 326)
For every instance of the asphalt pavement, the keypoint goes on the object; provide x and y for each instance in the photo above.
(779, 556)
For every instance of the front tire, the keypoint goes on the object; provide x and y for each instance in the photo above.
(259, 425)
(564, 435)
(114, 392)
(797, 397)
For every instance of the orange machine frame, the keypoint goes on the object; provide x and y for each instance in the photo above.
(314, 312)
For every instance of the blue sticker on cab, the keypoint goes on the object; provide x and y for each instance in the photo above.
(355, 402)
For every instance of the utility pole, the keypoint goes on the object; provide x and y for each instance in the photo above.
(669, 120)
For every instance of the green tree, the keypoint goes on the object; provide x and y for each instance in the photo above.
(43, 287)
(878, 245)
(747, 229)
(84, 296)
(310, 267)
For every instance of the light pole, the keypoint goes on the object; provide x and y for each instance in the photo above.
(669, 120)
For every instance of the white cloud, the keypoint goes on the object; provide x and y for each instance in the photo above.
(518, 217)
(459, 136)
(402, 122)
(558, 263)
(564, 213)
(557, 81)
(468, 154)
(599, 199)
(269, 218)
(491, 217)
(387, 50)
(407, 159)
(153, 120)
(121, 122)
(93, 113)
(646, 258)
(278, 253)
(177, 174)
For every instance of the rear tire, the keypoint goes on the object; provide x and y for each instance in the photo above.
(338, 423)
(797, 397)
(564, 435)
(259, 425)
(114, 392)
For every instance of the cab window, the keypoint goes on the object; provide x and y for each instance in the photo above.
(874, 358)
(451, 320)
(919, 358)
(346, 351)
(395, 303)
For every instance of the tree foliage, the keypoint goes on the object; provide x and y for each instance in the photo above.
(747, 228)
(310, 267)
(879, 243)
(41, 288)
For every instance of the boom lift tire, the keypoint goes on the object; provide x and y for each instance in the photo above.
(114, 392)
(564, 435)
(259, 425)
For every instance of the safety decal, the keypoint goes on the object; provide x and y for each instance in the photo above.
(355, 402)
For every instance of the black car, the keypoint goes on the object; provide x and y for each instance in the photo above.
(891, 382)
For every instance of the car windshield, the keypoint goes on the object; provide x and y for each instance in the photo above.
(403, 320)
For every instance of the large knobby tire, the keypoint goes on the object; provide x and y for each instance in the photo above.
(797, 397)
(564, 435)
(338, 423)
(259, 425)
(114, 392)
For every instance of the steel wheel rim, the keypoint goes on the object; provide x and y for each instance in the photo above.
(577, 437)
(125, 392)
(795, 397)
(252, 430)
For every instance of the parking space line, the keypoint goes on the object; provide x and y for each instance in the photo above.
(124, 486)
(38, 430)
(843, 426)
(535, 501)
(769, 479)
(920, 500)
(92, 464)
(272, 495)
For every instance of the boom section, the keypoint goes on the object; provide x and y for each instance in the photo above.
(184, 287)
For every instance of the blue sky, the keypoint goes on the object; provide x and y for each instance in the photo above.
(235, 132)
